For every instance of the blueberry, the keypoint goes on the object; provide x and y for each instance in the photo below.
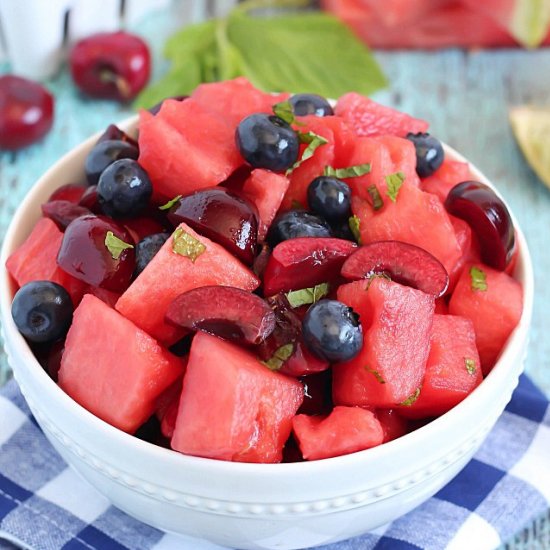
(146, 250)
(342, 230)
(310, 104)
(297, 223)
(429, 153)
(105, 153)
(124, 189)
(331, 330)
(267, 142)
(42, 311)
(329, 197)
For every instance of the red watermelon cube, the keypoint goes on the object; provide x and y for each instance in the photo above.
(113, 368)
(232, 407)
(170, 274)
(397, 324)
(345, 430)
(494, 304)
(393, 424)
(453, 369)
(449, 174)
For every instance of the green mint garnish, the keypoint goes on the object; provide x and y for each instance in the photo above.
(478, 279)
(278, 359)
(394, 182)
(314, 141)
(284, 111)
(372, 276)
(186, 245)
(115, 245)
(171, 203)
(349, 172)
(377, 201)
(470, 366)
(411, 399)
(376, 374)
(305, 296)
(354, 224)
(296, 205)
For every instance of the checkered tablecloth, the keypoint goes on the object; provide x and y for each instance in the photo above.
(44, 505)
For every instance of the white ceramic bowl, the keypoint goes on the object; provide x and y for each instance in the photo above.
(275, 506)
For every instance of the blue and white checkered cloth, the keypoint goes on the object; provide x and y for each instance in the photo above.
(44, 505)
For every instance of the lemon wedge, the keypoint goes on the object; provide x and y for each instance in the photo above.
(531, 127)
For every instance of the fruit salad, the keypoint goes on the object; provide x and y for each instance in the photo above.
(267, 278)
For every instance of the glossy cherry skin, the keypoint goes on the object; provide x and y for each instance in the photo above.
(114, 132)
(223, 216)
(487, 215)
(63, 212)
(84, 254)
(71, 192)
(26, 112)
(404, 263)
(89, 199)
(113, 65)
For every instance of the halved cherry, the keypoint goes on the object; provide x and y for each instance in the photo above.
(305, 262)
(487, 215)
(223, 311)
(114, 132)
(403, 262)
(71, 192)
(63, 212)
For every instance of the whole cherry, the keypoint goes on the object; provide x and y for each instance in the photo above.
(26, 112)
(113, 65)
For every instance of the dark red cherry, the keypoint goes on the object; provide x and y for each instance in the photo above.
(113, 132)
(63, 212)
(223, 216)
(111, 65)
(227, 312)
(26, 112)
(317, 393)
(71, 192)
(487, 215)
(89, 200)
(404, 263)
(99, 252)
(305, 262)
(142, 227)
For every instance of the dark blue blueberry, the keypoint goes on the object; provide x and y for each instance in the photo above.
(342, 230)
(329, 197)
(266, 141)
(104, 153)
(146, 250)
(429, 153)
(297, 223)
(124, 189)
(331, 331)
(42, 311)
(310, 104)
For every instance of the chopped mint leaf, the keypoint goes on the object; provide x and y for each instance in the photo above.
(171, 203)
(470, 366)
(478, 278)
(376, 374)
(115, 245)
(372, 276)
(296, 205)
(411, 399)
(186, 245)
(377, 201)
(314, 142)
(297, 298)
(349, 172)
(279, 357)
(394, 182)
(284, 111)
(354, 224)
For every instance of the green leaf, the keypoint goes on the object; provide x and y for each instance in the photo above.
(349, 172)
(314, 141)
(297, 298)
(411, 399)
(171, 203)
(373, 276)
(470, 366)
(394, 183)
(284, 111)
(377, 201)
(376, 374)
(478, 279)
(279, 357)
(191, 40)
(354, 225)
(115, 246)
(186, 245)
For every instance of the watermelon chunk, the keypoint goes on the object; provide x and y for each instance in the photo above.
(453, 368)
(36, 260)
(369, 118)
(393, 424)
(170, 274)
(445, 178)
(186, 147)
(345, 430)
(495, 312)
(266, 190)
(112, 368)
(397, 323)
(232, 407)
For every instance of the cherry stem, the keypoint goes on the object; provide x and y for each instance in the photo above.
(121, 84)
